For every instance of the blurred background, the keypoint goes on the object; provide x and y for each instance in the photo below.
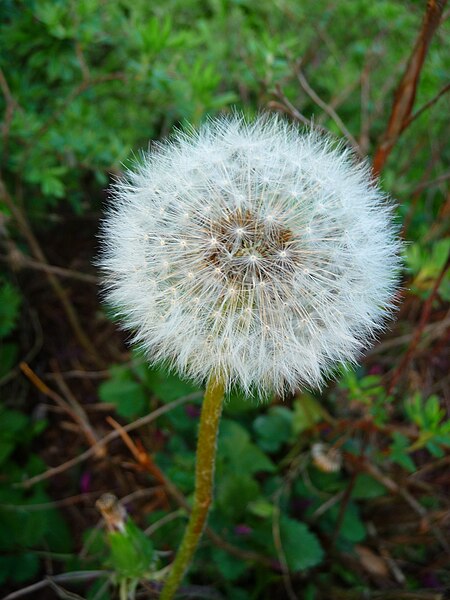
(338, 495)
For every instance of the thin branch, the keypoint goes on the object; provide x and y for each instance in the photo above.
(432, 182)
(176, 514)
(63, 578)
(146, 462)
(328, 109)
(70, 405)
(425, 107)
(38, 253)
(11, 105)
(287, 107)
(364, 135)
(276, 535)
(78, 374)
(395, 488)
(22, 261)
(424, 317)
(405, 94)
(106, 440)
(433, 331)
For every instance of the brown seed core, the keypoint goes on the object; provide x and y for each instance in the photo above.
(248, 250)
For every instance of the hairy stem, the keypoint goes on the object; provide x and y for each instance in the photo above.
(204, 477)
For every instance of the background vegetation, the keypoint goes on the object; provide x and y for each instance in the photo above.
(341, 495)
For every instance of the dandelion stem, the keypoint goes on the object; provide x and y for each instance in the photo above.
(204, 477)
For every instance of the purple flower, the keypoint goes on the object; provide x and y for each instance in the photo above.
(85, 482)
(243, 529)
(192, 411)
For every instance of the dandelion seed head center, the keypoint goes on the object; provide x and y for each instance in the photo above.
(247, 249)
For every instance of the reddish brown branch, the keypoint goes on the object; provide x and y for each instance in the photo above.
(424, 318)
(405, 94)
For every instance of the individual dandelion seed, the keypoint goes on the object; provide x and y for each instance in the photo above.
(248, 253)
(326, 458)
(253, 250)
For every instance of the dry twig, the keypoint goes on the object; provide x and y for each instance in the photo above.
(146, 462)
(69, 404)
(21, 261)
(329, 110)
(106, 440)
(424, 318)
(38, 253)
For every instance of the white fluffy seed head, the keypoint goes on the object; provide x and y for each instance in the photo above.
(253, 250)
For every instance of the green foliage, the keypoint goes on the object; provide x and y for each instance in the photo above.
(428, 416)
(92, 83)
(28, 521)
(125, 392)
(433, 426)
(8, 357)
(399, 452)
(237, 451)
(10, 301)
(229, 567)
(238, 460)
(307, 413)
(370, 391)
(426, 262)
(274, 429)
(366, 487)
(301, 547)
(132, 553)
(131, 387)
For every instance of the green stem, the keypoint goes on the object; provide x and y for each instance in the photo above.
(204, 478)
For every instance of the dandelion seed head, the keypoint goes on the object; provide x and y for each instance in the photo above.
(252, 249)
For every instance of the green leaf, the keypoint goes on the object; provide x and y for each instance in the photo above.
(98, 591)
(234, 493)
(255, 461)
(399, 452)
(367, 487)
(307, 412)
(261, 508)
(237, 403)
(236, 448)
(5, 450)
(8, 357)
(434, 449)
(127, 394)
(274, 429)
(132, 553)
(18, 568)
(167, 386)
(10, 301)
(352, 527)
(301, 547)
(13, 422)
(230, 567)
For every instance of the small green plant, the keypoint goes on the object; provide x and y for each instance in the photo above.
(30, 527)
